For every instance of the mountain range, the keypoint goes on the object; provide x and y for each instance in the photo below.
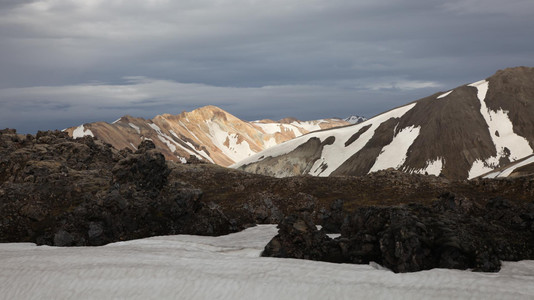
(207, 134)
(56, 190)
(461, 133)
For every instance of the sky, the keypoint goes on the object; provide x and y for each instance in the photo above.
(64, 63)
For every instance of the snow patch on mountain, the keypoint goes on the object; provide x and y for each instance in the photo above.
(336, 154)
(201, 152)
(80, 132)
(167, 142)
(270, 142)
(390, 156)
(190, 132)
(433, 167)
(308, 125)
(444, 95)
(155, 127)
(507, 142)
(290, 127)
(273, 128)
(228, 142)
(269, 128)
(171, 144)
(135, 127)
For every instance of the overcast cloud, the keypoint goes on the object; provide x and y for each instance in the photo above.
(63, 63)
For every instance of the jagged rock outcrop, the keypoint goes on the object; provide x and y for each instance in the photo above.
(454, 232)
(299, 238)
(459, 134)
(64, 192)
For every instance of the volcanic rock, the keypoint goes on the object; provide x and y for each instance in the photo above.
(454, 233)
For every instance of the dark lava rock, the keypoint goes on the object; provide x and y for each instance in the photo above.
(452, 233)
(61, 191)
(146, 168)
(332, 219)
(299, 238)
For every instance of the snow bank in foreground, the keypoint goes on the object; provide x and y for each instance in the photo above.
(228, 267)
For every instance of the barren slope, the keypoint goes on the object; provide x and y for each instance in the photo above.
(461, 133)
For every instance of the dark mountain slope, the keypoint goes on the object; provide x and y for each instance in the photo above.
(460, 134)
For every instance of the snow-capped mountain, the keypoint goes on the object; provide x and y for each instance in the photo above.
(355, 119)
(461, 133)
(207, 133)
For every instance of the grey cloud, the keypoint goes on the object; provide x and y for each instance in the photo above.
(490, 7)
(358, 50)
(146, 97)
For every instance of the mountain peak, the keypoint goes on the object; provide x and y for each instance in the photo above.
(459, 134)
(208, 133)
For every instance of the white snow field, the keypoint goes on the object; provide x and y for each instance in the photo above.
(229, 267)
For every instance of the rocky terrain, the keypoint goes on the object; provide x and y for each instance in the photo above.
(208, 134)
(64, 192)
(462, 133)
(56, 190)
(453, 233)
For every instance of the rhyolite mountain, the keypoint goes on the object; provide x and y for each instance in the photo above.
(208, 134)
(461, 133)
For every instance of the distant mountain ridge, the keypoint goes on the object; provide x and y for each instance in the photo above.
(208, 134)
(355, 119)
(461, 133)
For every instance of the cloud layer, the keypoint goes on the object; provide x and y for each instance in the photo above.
(89, 60)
